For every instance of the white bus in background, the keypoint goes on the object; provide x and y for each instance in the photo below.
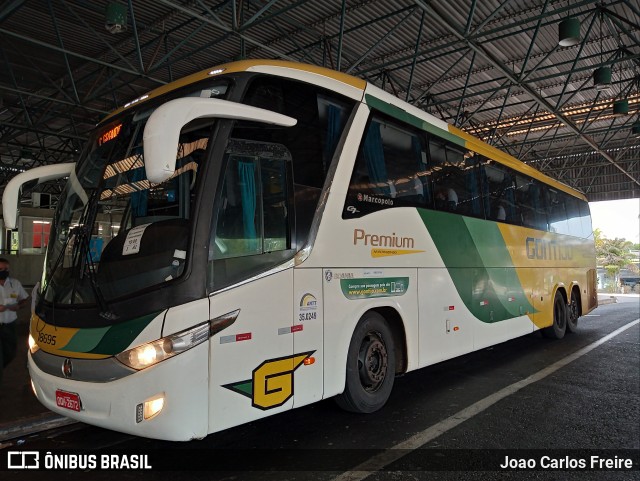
(313, 237)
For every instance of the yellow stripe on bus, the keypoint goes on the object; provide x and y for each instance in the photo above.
(52, 338)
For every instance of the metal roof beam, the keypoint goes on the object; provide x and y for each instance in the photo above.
(449, 24)
(224, 28)
(611, 61)
(464, 90)
(415, 58)
(380, 41)
(9, 8)
(78, 55)
(575, 62)
(397, 63)
(64, 53)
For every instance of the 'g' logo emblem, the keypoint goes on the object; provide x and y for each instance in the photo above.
(272, 382)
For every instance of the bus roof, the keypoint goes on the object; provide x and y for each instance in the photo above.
(354, 84)
(355, 88)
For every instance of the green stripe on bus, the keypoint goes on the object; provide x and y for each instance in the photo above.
(120, 336)
(85, 339)
(479, 264)
(497, 260)
(404, 116)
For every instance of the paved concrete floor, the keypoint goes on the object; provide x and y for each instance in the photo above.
(591, 403)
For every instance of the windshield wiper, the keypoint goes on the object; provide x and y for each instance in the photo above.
(84, 262)
(49, 277)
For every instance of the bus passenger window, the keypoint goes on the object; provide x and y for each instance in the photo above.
(321, 117)
(446, 198)
(531, 204)
(499, 193)
(455, 178)
(391, 165)
(574, 218)
(557, 214)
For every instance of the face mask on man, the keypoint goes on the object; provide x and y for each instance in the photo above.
(4, 275)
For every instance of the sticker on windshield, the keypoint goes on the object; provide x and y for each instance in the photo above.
(133, 240)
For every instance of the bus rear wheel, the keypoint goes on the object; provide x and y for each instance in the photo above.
(370, 366)
(574, 314)
(560, 315)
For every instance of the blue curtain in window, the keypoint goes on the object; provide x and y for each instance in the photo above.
(139, 198)
(374, 156)
(334, 129)
(416, 148)
(246, 173)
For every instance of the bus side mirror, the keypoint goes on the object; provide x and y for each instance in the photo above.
(11, 193)
(162, 132)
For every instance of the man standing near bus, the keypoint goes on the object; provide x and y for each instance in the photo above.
(12, 297)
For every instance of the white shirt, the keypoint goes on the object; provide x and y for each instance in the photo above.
(11, 293)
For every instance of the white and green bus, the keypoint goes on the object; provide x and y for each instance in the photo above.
(279, 234)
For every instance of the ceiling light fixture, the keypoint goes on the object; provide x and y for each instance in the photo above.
(569, 32)
(115, 17)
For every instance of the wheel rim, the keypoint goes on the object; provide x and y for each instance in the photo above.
(574, 310)
(560, 318)
(372, 361)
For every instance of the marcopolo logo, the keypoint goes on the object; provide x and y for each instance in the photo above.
(374, 200)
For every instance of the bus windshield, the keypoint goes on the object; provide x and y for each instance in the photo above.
(110, 211)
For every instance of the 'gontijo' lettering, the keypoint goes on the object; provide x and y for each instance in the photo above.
(551, 250)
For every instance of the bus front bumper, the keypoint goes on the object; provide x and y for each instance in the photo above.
(181, 382)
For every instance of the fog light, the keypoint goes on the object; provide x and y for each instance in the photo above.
(153, 406)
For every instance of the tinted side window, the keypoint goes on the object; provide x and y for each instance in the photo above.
(556, 210)
(585, 217)
(574, 219)
(390, 169)
(321, 119)
(499, 190)
(398, 165)
(454, 176)
(529, 197)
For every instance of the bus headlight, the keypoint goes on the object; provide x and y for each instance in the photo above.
(33, 346)
(151, 353)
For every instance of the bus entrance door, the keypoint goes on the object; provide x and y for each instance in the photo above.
(252, 361)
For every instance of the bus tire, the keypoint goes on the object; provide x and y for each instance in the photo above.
(371, 366)
(560, 315)
(573, 314)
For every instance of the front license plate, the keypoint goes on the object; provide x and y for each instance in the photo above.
(68, 400)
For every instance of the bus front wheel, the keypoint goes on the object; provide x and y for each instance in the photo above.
(560, 315)
(370, 366)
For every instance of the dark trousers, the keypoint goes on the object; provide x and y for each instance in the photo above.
(8, 344)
